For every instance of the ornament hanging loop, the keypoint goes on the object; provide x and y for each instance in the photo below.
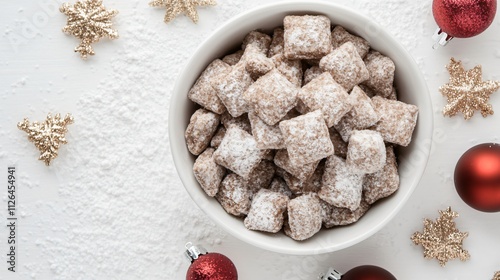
(332, 274)
(193, 252)
(440, 38)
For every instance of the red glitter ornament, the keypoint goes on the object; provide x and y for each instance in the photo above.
(364, 272)
(208, 266)
(462, 18)
(477, 177)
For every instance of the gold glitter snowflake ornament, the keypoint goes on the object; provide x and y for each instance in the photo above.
(497, 276)
(48, 135)
(89, 21)
(176, 7)
(441, 239)
(467, 92)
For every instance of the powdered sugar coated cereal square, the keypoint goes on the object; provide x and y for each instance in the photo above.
(334, 216)
(278, 42)
(304, 217)
(324, 94)
(261, 40)
(341, 187)
(397, 122)
(208, 173)
(311, 73)
(238, 152)
(384, 182)
(231, 87)
(234, 196)
(307, 37)
(291, 69)
(346, 66)
(234, 58)
(260, 177)
(271, 97)
(307, 138)
(366, 151)
(278, 185)
(257, 63)
(302, 171)
(340, 36)
(267, 136)
(361, 116)
(266, 211)
(381, 70)
(242, 121)
(200, 130)
(218, 136)
(203, 92)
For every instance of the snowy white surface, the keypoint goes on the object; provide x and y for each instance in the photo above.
(112, 206)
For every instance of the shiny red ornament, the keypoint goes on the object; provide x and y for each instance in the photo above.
(477, 177)
(368, 272)
(464, 18)
(209, 266)
(364, 272)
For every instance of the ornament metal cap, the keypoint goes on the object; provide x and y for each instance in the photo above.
(440, 38)
(193, 252)
(332, 274)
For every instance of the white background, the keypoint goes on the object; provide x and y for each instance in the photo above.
(40, 73)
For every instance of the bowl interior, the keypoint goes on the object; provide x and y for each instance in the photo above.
(411, 89)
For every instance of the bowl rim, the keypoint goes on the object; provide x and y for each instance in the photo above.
(419, 171)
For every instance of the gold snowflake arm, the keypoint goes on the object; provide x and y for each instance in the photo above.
(89, 21)
(48, 135)
(441, 239)
(176, 7)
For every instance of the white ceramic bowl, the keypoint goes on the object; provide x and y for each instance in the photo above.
(411, 89)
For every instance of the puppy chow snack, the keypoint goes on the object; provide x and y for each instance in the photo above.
(218, 136)
(397, 120)
(334, 216)
(382, 183)
(234, 58)
(311, 73)
(307, 138)
(279, 185)
(208, 173)
(291, 69)
(261, 40)
(203, 92)
(340, 36)
(302, 171)
(257, 63)
(200, 130)
(339, 145)
(346, 66)
(238, 152)
(277, 43)
(304, 217)
(267, 136)
(307, 37)
(271, 97)
(231, 87)
(260, 177)
(234, 196)
(324, 94)
(341, 187)
(266, 211)
(308, 119)
(366, 152)
(361, 116)
(381, 69)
